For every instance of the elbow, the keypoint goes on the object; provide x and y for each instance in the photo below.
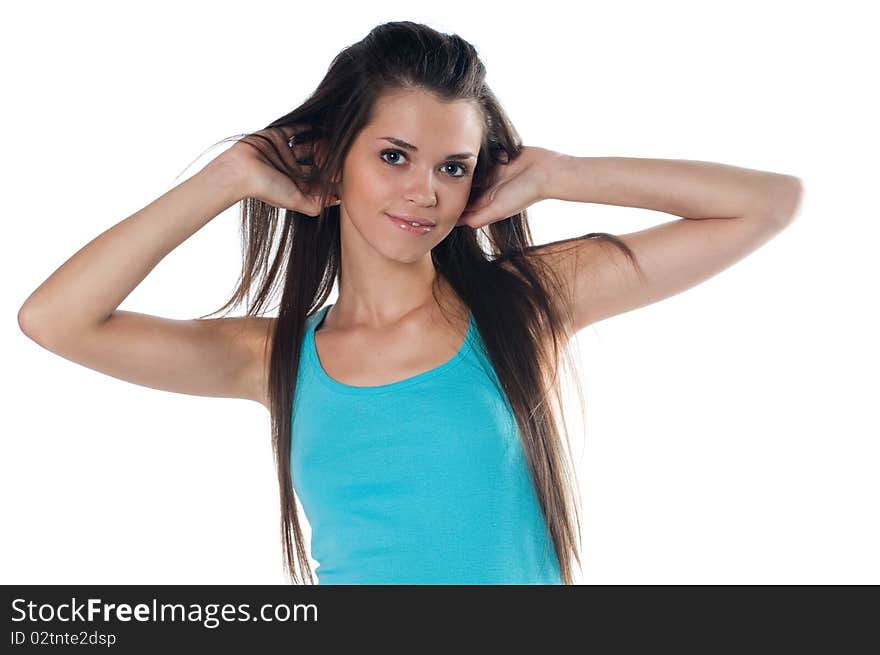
(25, 321)
(788, 199)
(29, 323)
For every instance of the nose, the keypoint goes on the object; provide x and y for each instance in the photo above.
(421, 189)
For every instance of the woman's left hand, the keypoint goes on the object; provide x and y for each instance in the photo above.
(516, 186)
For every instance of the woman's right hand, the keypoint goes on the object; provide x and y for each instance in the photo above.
(261, 179)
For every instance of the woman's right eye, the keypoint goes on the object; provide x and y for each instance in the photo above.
(390, 152)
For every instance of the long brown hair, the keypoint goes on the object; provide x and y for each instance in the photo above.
(521, 308)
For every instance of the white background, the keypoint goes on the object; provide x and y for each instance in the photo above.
(732, 433)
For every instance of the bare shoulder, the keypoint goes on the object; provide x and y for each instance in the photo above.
(255, 334)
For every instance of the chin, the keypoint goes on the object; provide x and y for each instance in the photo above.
(412, 257)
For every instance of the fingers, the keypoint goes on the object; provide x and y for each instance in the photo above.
(314, 209)
(466, 219)
(281, 139)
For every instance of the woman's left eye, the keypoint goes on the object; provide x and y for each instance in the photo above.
(464, 169)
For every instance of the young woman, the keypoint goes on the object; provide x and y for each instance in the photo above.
(418, 418)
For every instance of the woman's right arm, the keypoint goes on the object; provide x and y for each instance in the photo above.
(74, 312)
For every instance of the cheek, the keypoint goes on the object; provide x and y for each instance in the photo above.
(366, 197)
(367, 189)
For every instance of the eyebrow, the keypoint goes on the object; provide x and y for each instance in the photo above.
(409, 146)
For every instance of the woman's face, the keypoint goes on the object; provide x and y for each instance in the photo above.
(380, 177)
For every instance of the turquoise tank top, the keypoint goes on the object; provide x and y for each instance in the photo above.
(420, 481)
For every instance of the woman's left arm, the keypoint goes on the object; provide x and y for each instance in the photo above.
(681, 187)
(726, 213)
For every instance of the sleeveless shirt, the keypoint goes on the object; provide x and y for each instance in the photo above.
(420, 481)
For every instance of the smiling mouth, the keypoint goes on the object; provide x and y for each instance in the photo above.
(413, 227)
(413, 220)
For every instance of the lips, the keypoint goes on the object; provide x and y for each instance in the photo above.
(424, 222)
(406, 226)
